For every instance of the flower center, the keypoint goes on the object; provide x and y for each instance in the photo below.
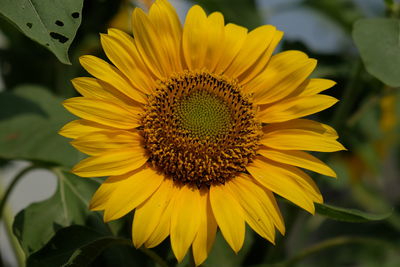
(203, 114)
(199, 129)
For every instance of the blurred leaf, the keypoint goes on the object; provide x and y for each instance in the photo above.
(348, 215)
(329, 244)
(30, 118)
(53, 24)
(222, 254)
(73, 246)
(378, 41)
(35, 225)
(371, 198)
(389, 2)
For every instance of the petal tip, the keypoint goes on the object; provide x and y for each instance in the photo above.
(136, 242)
(94, 206)
(83, 58)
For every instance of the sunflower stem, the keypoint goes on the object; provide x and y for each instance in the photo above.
(154, 256)
(7, 217)
(11, 186)
(16, 247)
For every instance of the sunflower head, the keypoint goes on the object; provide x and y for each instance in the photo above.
(197, 127)
(200, 130)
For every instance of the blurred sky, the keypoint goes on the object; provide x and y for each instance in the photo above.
(309, 26)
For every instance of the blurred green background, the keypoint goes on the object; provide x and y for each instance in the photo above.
(357, 44)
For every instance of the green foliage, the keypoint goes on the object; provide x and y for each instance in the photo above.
(222, 255)
(53, 24)
(30, 118)
(74, 246)
(378, 41)
(348, 215)
(35, 225)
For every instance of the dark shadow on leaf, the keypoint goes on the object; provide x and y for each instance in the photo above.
(12, 105)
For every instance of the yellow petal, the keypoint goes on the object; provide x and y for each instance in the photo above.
(229, 216)
(266, 199)
(126, 40)
(297, 158)
(298, 139)
(103, 112)
(97, 143)
(311, 87)
(255, 45)
(233, 41)
(128, 43)
(215, 38)
(112, 163)
(96, 89)
(185, 220)
(169, 31)
(105, 190)
(148, 44)
(194, 39)
(122, 59)
(162, 229)
(280, 182)
(303, 124)
(296, 107)
(262, 62)
(315, 86)
(132, 191)
(304, 180)
(102, 194)
(205, 236)
(109, 74)
(254, 213)
(77, 128)
(149, 213)
(284, 73)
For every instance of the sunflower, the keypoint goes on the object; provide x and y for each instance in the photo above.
(197, 127)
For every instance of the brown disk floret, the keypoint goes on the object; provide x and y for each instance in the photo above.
(200, 130)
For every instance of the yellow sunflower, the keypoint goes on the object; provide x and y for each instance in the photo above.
(198, 126)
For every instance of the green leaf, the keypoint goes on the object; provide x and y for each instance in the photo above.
(222, 254)
(30, 118)
(348, 215)
(52, 24)
(35, 225)
(378, 41)
(74, 246)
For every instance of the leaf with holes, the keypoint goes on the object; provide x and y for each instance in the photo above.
(35, 225)
(52, 24)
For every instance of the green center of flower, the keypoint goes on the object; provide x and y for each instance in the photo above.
(203, 114)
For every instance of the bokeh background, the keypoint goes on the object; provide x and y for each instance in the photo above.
(367, 119)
